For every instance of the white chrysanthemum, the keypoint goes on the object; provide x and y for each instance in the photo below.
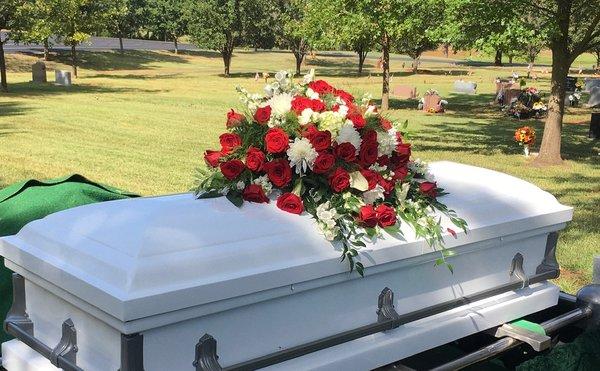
(387, 142)
(307, 116)
(349, 134)
(302, 155)
(373, 195)
(312, 94)
(281, 104)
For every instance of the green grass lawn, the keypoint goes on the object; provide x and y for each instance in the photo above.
(141, 121)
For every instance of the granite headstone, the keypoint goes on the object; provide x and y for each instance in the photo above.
(62, 78)
(38, 72)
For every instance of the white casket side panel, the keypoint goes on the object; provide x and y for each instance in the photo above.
(142, 257)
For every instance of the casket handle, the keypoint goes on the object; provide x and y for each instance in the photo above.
(19, 325)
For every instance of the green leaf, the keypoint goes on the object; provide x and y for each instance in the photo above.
(235, 198)
(210, 194)
(360, 269)
(298, 187)
(358, 181)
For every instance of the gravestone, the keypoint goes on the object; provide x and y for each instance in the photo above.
(431, 101)
(465, 87)
(594, 97)
(510, 94)
(595, 126)
(591, 82)
(405, 92)
(570, 83)
(62, 78)
(38, 72)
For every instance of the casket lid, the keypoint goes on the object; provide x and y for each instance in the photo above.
(140, 257)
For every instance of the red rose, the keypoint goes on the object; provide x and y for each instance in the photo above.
(400, 172)
(367, 216)
(339, 180)
(232, 169)
(387, 185)
(357, 119)
(234, 119)
(321, 87)
(345, 151)
(279, 172)
(317, 105)
(300, 103)
(383, 160)
(291, 203)
(371, 176)
(429, 189)
(385, 123)
(344, 95)
(320, 140)
(386, 216)
(276, 140)
(323, 163)
(255, 159)
(229, 141)
(263, 114)
(399, 137)
(402, 154)
(212, 157)
(368, 153)
(369, 136)
(254, 193)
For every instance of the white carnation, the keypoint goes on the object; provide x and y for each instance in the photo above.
(302, 155)
(281, 104)
(312, 94)
(387, 141)
(350, 135)
(307, 116)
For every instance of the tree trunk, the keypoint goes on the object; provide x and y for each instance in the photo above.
(510, 59)
(446, 49)
(385, 89)
(598, 60)
(226, 61)
(498, 58)
(176, 46)
(415, 68)
(121, 44)
(362, 55)
(299, 57)
(3, 82)
(74, 60)
(46, 49)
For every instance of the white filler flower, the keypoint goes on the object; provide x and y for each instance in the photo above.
(349, 134)
(281, 104)
(302, 155)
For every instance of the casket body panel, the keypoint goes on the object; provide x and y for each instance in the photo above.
(257, 279)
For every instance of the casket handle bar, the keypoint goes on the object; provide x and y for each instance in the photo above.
(19, 325)
(517, 271)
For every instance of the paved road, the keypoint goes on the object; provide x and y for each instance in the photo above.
(110, 43)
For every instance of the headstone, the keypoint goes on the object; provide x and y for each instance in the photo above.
(431, 101)
(510, 95)
(571, 83)
(62, 78)
(595, 130)
(590, 82)
(594, 97)
(38, 72)
(465, 87)
(405, 92)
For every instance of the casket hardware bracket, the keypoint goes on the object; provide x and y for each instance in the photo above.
(385, 308)
(517, 271)
(537, 341)
(17, 313)
(67, 346)
(206, 354)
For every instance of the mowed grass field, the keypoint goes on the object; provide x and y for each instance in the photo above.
(141, 121)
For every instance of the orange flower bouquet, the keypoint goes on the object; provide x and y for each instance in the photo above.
(525, 136)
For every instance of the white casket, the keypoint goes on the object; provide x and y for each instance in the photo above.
(141, 281)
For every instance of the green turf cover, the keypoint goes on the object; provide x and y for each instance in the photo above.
(23, 202)
(582, 354)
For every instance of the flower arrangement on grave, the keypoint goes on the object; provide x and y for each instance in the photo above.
(316, 149)
(525, 136)
(527, 105)
(439, 107)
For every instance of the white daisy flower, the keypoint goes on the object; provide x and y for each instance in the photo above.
(302, 155)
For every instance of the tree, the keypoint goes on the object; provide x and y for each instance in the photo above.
(291, 33)
(167, 17)
(11, 18)
(125, 18)
(74, 21)
(37, 25)
(596, 50)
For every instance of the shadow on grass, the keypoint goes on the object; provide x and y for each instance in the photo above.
(11, 109)
(135, 77)
(30, 89)
(114, 60)
(8, 129)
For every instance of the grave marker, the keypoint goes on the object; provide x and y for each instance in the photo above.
(62, 77)
(594, 97)
(405, 92)
(465, 87)
(38, 72)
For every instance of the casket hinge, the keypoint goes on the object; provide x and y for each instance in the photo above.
(67, 346)
(17, 314)
(206, 354)
(550, 264)
(517, 271)
(132, 352)
(385, 308)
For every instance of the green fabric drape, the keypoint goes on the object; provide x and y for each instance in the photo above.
(29, 200)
